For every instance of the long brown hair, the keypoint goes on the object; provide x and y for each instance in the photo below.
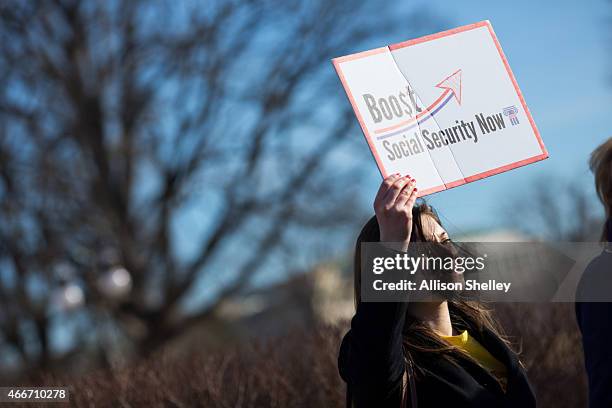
(421, 343)
(601, 166)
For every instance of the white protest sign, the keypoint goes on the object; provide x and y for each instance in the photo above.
(444, 108)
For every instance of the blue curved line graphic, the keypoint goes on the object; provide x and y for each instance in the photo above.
(418, 122)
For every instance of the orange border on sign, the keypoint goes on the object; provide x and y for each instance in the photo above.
(420, 40)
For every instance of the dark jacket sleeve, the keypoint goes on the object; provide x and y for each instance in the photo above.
(371, 359)
(595, 324)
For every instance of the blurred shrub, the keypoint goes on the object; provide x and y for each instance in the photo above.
(550, 346)
(297, 370)
(300, 369)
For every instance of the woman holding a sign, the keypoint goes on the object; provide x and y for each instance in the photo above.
(442, 353)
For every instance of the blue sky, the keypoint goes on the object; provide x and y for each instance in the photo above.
(559, 56)
(558, 53)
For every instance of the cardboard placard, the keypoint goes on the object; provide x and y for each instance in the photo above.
(444, 108)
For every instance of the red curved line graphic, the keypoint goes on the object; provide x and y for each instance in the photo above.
(417, 117)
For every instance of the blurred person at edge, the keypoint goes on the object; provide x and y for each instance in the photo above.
(594, 294)
(442, 353)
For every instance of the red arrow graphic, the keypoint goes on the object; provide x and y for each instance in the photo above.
(453, 82)
(450, 84)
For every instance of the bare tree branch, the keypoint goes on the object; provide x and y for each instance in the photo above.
(165, 133)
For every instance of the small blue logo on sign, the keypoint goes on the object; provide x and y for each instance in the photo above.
(511, 112)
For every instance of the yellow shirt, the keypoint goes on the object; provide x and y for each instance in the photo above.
(481, 355)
